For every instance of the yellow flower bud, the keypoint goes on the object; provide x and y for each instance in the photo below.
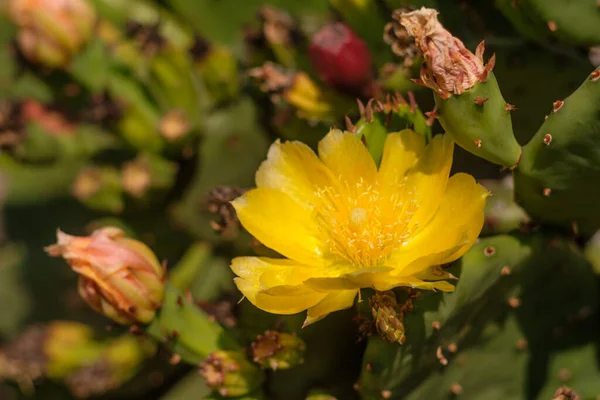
(52, 31)
(119, 277)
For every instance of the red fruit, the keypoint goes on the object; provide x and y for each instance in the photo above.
(341, 58)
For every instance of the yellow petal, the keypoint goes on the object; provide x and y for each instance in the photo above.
(362, 278)
(401, 152)
(281, 224)
(435, 273)
(408, 281)
(347, 157)
(428, 178)
(295, 169)
(275, 285)
(287, 299)
(451, 232)
(335, 300)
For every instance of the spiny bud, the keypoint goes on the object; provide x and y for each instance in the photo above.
(277, 350)
(341, 59)
(52, 31)
(449, 68)
(388, 319)
(230, 373)
(118, 277)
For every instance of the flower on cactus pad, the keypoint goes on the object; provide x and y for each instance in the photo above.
(343, 224)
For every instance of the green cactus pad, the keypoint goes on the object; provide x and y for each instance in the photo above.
(556, 181)
(480, 123)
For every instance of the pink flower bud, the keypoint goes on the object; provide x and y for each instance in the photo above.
(119, 277)
(341, 58)
(52, 31)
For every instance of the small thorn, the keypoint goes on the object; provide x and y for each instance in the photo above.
(452, 347)
(435, 325)
(369, 366)
(175, 359)
(386, 394)
(489, 251)
(564, 374)
(361, 108)
(135, 330)
(188, 296)
(477, 143)
(557, 105)
(440, 356)
(575, 227)
(509, 107)
(547, 192)
(356, 386)
(179, 301)
(369, 111)
(350, 127)
(412, 101)
(595, 75)
(552, 26)
(174, 334)
(480, 100)
(514, 302)
(547, 139)
(456, 389)
(505, 271)
(521, 344)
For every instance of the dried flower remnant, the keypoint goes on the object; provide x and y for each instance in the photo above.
(449, 67)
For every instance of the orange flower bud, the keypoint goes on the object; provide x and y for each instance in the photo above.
(52, 31)
(119, 277)
(449, 68)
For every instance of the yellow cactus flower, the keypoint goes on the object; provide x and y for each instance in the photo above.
(343, 224)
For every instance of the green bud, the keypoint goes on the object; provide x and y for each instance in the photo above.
(230, 374)
(276, 350)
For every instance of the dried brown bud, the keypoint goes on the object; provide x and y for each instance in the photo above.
(449, 68)
(403, 44)
(218, 203)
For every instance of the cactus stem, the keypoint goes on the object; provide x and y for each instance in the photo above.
(514, 302)
(552, 26)
(557, 105)
(386, 394)
(505, 271)
(595, 75)
(547, 139)
(477, 143)
(440, 356)
(456, 389)
(435, 325)
(509, 107)
(480, 100)
(175, 359)
(547, 192)
(489, 251)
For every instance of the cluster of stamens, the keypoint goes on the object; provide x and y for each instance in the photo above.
(363, 223)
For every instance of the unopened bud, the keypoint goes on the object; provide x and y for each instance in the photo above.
(119, 277)
(52, 31)
(449, 68)
(276, 350)
(388, 319)
(341, 59)
(230, 374)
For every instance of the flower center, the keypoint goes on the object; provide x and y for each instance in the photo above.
(362, 223)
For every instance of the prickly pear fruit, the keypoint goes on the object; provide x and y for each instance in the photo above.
(470, 105)
(555, 181)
